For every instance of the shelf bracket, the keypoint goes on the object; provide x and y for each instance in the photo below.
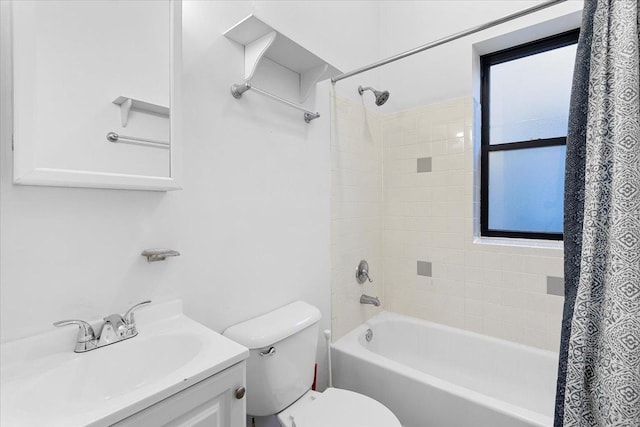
(125, 107)
(309, 79)
(254, 51)
(127, 104)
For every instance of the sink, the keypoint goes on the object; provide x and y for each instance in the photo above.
(99, 387)
(120, 369)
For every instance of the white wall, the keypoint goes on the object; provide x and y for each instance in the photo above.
(446, 72)
(252, 222)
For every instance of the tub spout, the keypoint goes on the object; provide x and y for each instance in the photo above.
(366, 299)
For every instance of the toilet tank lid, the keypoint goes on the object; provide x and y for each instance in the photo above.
(268, 329)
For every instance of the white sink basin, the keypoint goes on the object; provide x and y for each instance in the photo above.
(99, 387)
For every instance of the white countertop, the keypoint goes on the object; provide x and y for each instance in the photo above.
(44, 383)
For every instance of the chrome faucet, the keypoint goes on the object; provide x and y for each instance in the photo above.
(366, 299)
(115, 328)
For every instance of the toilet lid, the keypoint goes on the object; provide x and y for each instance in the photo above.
(337, 408)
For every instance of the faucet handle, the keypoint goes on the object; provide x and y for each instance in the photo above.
(128, 317)
(84, 334)
(362, 272)
(86, 337)
(130, 320)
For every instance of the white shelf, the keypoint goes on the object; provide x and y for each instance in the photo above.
(263, 41)
(127, 104)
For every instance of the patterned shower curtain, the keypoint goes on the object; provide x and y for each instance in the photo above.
(599, 369)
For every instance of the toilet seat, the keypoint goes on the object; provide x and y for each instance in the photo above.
(337, 408)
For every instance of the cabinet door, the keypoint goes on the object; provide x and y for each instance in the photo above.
(209, 403)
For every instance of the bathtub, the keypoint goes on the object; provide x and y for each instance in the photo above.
(432, 375)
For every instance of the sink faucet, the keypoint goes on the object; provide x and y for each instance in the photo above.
(115, 328)
(366, 299)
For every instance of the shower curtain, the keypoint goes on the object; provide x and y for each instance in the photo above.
(599, 369)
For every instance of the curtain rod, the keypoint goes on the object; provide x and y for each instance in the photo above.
(447, 39)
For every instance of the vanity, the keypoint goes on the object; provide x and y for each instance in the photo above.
(174, 372)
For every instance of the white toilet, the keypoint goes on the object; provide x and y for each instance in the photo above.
(280, 369)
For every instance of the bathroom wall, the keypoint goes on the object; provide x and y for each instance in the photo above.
(435, 268)
(253, 219)
(356, 210)
(447, 71)
(494, 288)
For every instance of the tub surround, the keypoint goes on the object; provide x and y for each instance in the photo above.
(484, 285)
(419, 218)
(356, 210)
(430, 219)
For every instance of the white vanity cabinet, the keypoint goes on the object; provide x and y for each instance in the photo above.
(218, 401)
(175, 372)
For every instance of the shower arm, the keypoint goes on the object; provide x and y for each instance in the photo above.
(447, 39)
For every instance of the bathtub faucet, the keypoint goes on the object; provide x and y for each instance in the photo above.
(366, 299)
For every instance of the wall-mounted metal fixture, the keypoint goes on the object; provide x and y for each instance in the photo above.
(238, 89)
(366, 299)
(154, 255)
(362, 272)
(381, 96)
(114, 137)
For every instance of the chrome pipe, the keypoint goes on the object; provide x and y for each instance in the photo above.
(238, 89)
(447, 39)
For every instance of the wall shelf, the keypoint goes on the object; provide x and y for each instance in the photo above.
(127, 104)
(261, 40)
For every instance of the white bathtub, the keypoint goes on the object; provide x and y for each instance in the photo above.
(432, 375)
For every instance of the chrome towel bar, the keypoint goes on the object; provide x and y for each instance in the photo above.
(238, 89)
(114, 137)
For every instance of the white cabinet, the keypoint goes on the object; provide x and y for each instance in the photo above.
(217, 401)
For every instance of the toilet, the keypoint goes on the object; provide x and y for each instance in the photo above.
(280, 370)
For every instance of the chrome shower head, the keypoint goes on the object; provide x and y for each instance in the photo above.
(381, 97)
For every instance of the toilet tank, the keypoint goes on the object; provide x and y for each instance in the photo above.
(282, 345)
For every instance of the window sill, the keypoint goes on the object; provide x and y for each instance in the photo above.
(522, 243)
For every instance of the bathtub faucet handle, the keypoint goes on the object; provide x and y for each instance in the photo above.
(362, 272)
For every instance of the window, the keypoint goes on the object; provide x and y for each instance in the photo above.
(525, 108)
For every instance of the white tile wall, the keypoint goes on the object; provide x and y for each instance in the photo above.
(394, 216)
(494, 289)
(356, 211)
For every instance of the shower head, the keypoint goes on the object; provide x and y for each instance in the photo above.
(381, 97)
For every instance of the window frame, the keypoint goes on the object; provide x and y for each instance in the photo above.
(486, 61)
